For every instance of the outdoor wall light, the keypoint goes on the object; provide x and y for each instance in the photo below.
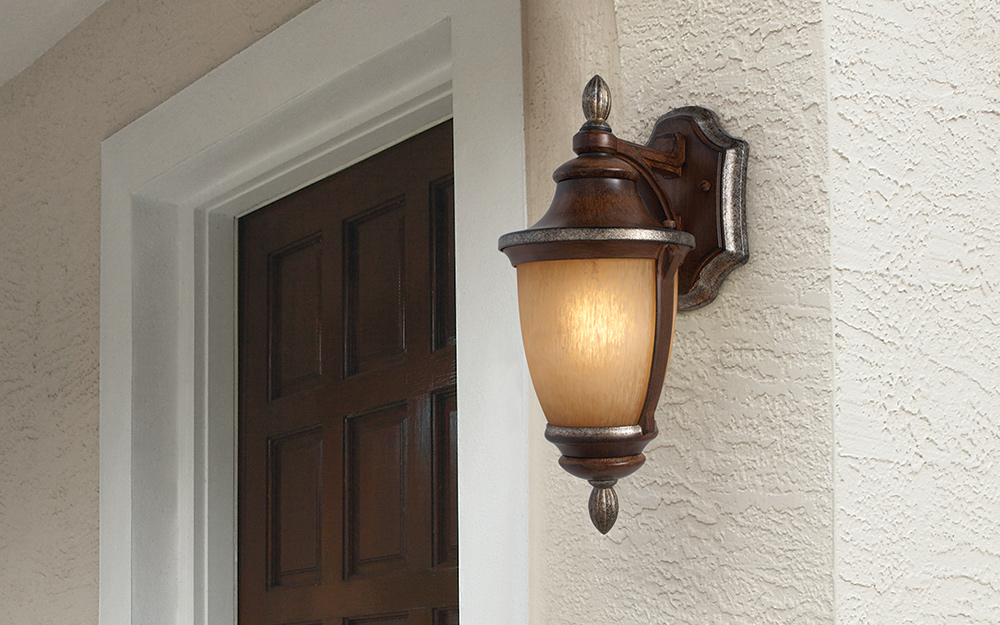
(634, 233)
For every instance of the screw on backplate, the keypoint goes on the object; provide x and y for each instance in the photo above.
(705, 185)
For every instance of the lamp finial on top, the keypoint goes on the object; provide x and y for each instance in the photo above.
(597, 103)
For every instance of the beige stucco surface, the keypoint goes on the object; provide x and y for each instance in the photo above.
(118, 64)
(915, 173)
(738, 515)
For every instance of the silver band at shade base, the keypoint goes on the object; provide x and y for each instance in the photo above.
(602, 444)
(619, 432)
(601, 455)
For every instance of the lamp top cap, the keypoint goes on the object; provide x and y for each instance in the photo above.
(597, 104)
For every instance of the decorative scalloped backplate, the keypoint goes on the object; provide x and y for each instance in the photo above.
(709, 200)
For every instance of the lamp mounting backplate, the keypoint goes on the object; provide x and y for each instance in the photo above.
(708, 198)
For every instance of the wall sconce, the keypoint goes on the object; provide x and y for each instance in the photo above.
(634, 233)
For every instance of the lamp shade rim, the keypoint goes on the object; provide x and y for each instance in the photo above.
(605, 433)
(599, 442)
(554, 235)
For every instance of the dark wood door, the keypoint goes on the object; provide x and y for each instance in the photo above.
(347, 426)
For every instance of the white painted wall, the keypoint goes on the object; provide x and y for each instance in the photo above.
(914, 115)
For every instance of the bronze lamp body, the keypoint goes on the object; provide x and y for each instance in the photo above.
(634, 233)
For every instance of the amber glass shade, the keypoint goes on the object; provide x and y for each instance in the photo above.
(588, 327)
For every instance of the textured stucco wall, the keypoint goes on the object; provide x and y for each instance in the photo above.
(730, 520)
(914, 136)
(118, 64)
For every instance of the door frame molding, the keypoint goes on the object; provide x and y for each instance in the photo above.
(367, 75)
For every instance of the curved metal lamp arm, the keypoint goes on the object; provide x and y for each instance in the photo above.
(697, 174)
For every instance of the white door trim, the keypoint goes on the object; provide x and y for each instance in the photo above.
(337, 83)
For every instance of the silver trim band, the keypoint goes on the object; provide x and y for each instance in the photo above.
(551, 235)
(612, 432)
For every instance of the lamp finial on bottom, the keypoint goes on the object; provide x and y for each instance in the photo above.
(603, 505)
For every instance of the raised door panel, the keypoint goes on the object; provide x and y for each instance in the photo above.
(443, 276)
(445, 428)
(374, 279)
(376, 478)
(295, 314)
(295, 467)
